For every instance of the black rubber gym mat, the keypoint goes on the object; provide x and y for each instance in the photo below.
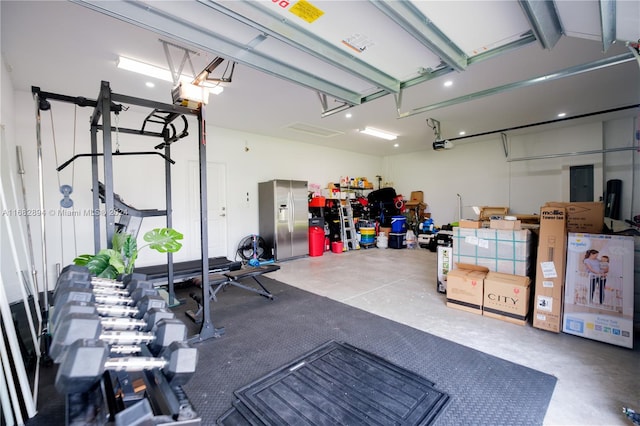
(261, 335)
(340, 384)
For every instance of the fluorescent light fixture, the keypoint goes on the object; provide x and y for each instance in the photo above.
(157, 72)
(145, 69)
(379, 133)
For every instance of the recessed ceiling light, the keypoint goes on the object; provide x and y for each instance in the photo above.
(395, 145)
(448, 83)
(379, 133)
(150, 84)
(348, 115)
(562, 114)
(462, 133)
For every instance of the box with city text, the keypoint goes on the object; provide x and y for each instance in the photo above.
(506, 297)
(599, 287)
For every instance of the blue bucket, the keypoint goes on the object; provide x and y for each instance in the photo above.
(398, 224)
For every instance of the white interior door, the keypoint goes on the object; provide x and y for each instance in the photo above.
(216, 208)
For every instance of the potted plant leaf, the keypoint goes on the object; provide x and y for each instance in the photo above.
(110, 263)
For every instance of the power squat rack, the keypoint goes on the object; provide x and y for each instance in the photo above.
(164, 114)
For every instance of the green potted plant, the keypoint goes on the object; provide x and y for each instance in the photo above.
(109, 263)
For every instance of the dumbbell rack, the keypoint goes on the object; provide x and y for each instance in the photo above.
(116, 361)
(125, 398)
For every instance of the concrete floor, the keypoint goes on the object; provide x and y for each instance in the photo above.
(595, 379)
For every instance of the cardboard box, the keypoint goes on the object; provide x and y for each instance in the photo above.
(599, 287)
(465, 288)
(506, 297)
(584, 217)
(497, 250)
(417, 197)
(487, 212)
(472, 224)
(514, 225)
(386, 230)
(550, 267)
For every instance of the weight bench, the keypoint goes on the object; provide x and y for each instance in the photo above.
(219, 281)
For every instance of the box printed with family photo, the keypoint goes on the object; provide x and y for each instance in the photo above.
(598, 296)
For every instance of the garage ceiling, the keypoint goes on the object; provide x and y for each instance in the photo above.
(303, 64)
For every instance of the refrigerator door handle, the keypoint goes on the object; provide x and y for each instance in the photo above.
(291, 209)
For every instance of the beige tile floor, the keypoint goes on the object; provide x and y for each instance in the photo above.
(595, 379)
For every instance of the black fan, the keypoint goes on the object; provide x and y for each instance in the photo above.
(251, 249)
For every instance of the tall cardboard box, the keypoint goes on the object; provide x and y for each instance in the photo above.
(465, 288)
(506, 297)
(550, 267)
(599, 300)
(584, 217)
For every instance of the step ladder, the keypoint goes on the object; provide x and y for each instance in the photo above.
(348, 227)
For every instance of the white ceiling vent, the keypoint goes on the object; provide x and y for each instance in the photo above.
(313, 130)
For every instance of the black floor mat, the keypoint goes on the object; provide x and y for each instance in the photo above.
(338, 384)
(262, 335)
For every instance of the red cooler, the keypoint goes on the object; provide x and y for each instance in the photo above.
(316, 241)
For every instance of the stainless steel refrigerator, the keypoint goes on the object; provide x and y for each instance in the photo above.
(284, 218)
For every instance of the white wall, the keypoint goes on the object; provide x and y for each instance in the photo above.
(139, 180)
(483, 176)
(13, 241)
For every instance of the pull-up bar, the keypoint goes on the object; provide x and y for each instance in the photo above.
(100, 154)
(107, 101)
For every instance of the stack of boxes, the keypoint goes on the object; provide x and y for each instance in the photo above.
(493, 265)
(584, 281)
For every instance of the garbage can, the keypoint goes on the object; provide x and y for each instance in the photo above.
(316, 241)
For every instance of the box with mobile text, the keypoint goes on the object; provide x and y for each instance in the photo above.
(550, 264)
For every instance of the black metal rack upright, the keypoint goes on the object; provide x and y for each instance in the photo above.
(106, 103)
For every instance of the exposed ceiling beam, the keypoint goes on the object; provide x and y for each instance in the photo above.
(569, 72)
(422, 29)
(253, 14)
(145, 15)
(544, 21)
(608, 23)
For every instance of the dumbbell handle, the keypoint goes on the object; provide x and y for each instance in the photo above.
(127, 337)
(134, 363)
(122, 323)
(121, 310)
(105, 282)
(109, 291)
(107, 299)
(125, 349)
